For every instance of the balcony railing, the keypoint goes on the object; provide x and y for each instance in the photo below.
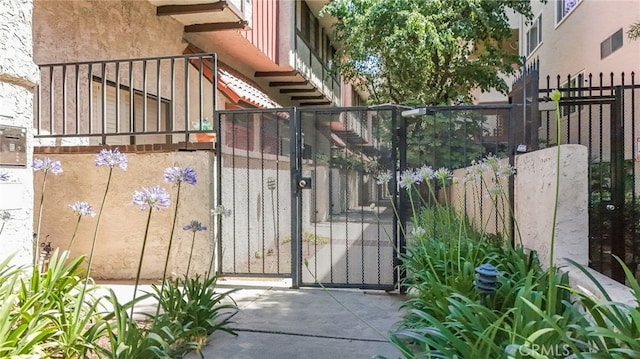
(309, 64)
(131, 101)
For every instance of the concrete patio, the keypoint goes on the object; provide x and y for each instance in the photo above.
(277, 322)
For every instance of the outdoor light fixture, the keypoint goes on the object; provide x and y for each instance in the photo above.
(486, 278)
(415, 112)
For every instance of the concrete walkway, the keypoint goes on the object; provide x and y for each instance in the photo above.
(307, 323)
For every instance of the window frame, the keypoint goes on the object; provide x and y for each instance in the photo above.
(561, 11)
(609, 43)
(537, 25)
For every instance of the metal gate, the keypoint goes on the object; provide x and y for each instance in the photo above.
(600, 114)
(298, 196)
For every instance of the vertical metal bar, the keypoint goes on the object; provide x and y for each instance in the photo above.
(600, 173)
(277, 212)
(77, 98)
(132, 117)
(634, 219)
(512, 162)
(262, 191)
(346, 217)
(361, 199)
(186, 106)
(570, 95)
(51, 100)
(233, 181)
(399, 163)
(617, 185)
(219, 178)
(39, 108)
(159, 96)
(90, 80)
(248, 188)
(314, 194)
(64, 99)
(117, 76)
(214, 85)
(200, 92)
(592, 209)
(172, 121)
(145, 97)
(103, 99)
(296, 200)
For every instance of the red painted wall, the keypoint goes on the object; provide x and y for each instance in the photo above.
(264, 33)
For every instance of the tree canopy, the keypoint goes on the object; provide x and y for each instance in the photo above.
(424, 52)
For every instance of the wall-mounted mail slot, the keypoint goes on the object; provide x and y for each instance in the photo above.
(13, 146)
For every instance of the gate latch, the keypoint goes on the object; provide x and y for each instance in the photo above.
(304, 182)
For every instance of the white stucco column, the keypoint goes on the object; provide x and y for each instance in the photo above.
(18, 78)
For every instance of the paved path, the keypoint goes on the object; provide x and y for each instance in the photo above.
(308, 323)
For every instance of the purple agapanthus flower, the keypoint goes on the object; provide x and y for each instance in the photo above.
(47, 165)
(194, 226)
(4, 176)
(112, 158)
(178, 174)
(81, 208)
(154, 197)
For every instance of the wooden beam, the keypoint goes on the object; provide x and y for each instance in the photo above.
(216, 26)
(276, 73)
(298, 98)
(288, 83)
(166, 10)
(297, 90)
(323, 103)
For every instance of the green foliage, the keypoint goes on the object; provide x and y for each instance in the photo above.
(447, 317)
(424, 52)
(194, 301)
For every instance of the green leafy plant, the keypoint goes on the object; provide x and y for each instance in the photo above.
(195, 301)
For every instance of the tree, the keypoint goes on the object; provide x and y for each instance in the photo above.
(428, 52)
(424, 52)
(634, 31)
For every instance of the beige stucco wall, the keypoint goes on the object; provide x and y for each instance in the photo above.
(535, 189)
(61, 34)
(573, 45)
(18, 77)
(122, 226)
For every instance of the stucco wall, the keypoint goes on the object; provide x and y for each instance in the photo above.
(61, 34)
(18, 77)
(535, 189)
(122, 226)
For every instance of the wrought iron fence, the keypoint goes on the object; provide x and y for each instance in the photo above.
(130, 101)
(600, 112)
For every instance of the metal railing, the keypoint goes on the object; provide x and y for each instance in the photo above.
(127, 101)
(311, 66)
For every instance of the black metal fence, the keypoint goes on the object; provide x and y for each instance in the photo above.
(599, 111)
(131, 101)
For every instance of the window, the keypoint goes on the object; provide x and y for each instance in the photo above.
(151, 117)
(611, 44)
(564, 7)
(534, 35)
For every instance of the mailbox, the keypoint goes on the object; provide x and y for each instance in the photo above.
(13, 146)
